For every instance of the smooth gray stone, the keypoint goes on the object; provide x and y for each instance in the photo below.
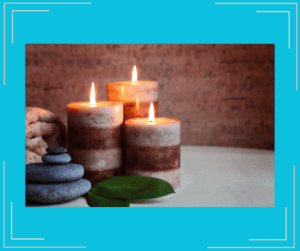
(56, 150)
(54, 193)
(40, 172)
(56, 159)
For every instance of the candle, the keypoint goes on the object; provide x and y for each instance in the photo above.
(135, 95)
(153, 148)
(95, 137)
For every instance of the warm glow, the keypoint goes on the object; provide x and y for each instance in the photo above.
(134, 75)
(137, 106)
(92, 97)
(151, 114)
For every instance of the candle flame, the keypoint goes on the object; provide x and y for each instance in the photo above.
(151, 114)
(92, 96)
(134, 75)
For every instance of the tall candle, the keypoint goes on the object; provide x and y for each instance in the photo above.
(153, 148)
(95, 137)
(135, 95)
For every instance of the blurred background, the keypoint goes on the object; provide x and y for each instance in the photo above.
(222, 94)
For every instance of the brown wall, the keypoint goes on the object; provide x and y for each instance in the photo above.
(223, 94)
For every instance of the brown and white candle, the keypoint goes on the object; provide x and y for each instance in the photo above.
(153, 149)
(135, 95)
(95, 138)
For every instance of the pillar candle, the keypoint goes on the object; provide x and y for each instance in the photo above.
(95, 138)
(153, 149)
(135, 95)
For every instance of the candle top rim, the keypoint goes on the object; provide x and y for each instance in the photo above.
(98, 104)
(130, 83)
(157, 120)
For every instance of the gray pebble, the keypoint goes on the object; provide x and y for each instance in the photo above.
(55, 193)
(56, 150)
(40, 172)
(56, 159)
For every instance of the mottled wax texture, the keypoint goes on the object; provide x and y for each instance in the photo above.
(222, 94)
(153, 150)
(95, 138)
(136, 98)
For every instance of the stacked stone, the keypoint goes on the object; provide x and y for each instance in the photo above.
(56, 180)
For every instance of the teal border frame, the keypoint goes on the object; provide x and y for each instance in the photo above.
(292, 191)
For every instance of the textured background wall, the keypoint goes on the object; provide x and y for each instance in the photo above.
(223, 94)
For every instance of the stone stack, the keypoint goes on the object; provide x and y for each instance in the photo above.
(56, 180)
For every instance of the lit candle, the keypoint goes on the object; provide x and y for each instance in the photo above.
(153, 148)
(95, 137)
(136, 95)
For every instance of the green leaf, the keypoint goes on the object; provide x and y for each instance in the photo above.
(98, 201)
(132, 187)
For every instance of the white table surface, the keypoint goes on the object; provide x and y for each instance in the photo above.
(216, 177)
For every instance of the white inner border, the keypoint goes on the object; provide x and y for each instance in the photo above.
(84, 246)
(4, 26)
(294, 243)
(296, 33)
(289, 21)
(16, 239)
(12, 20)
